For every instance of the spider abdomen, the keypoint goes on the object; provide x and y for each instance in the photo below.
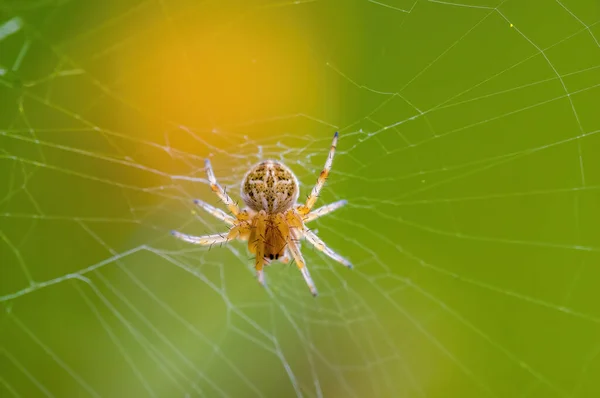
(270, 186)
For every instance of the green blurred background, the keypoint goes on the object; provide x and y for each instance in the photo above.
(468, 153)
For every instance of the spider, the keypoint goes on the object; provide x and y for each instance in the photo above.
(273, 222)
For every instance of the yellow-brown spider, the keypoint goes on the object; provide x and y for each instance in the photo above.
(272, 223)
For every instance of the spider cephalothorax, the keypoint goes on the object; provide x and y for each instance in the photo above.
(273, 223)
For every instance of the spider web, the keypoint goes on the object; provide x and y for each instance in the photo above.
(468, 154)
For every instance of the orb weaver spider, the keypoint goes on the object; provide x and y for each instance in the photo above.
(273, 222)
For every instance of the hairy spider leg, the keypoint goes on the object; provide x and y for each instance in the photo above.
(218, 189)
(324, 210)
(218, 213)
(205, 240)
(295, 250)
(321, 246)
(312, 198)
(256, 244)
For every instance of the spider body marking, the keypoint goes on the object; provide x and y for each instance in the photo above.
(273, 222)
(270, 186)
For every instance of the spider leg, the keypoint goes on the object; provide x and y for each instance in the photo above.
(321, 246)
(218, 213)
(295, 250)
(287, 256)
(323, 210)
(312, 198)
(218, 189)
(205, 240)
(256, 244)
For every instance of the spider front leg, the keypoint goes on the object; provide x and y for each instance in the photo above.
(314, 194)
(218, 189)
